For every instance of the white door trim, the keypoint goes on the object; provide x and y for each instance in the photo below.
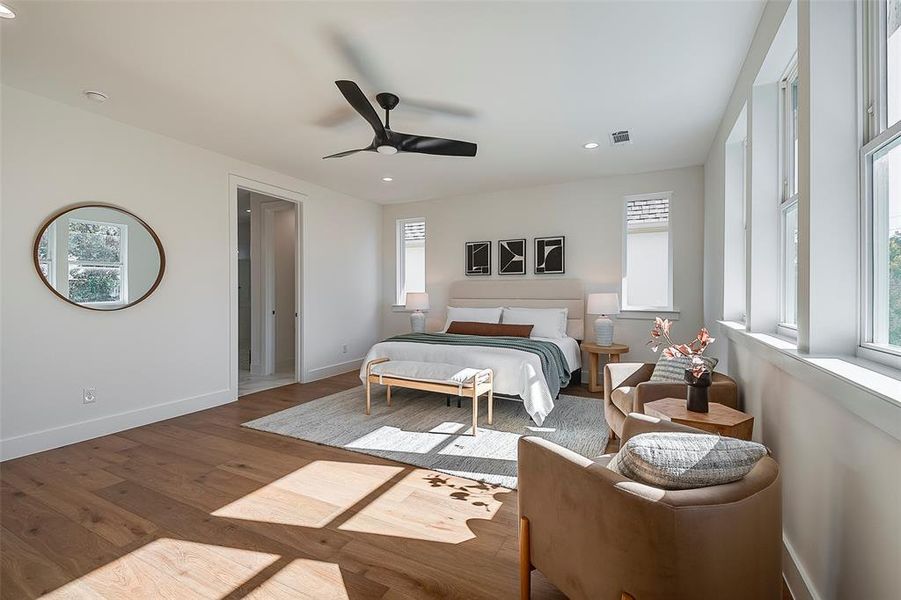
(298, 198)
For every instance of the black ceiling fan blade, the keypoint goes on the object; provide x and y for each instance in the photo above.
(356, 98)
(406, 142)
(348, 153)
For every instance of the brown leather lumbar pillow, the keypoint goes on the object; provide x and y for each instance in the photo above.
(490, 329)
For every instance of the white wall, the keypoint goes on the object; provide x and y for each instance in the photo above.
(841, 477)
(590, 215)
(169, 354)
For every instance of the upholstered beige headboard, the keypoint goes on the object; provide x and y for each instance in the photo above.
(528, 293)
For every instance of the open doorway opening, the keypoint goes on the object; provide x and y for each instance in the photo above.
(267, 292)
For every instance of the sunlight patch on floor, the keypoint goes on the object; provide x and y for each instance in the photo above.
(426, 505)
(394, 439)
(169, 568)
(306, 579)
(311, 496)
(497, 445)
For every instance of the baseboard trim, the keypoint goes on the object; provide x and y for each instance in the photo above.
(796, 577)
(332, 370)
(55, 437)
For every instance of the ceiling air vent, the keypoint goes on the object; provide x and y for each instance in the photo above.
(620, 137)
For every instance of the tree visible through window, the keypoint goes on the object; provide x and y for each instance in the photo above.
(96, 262)
(887, 227)
(881, 156)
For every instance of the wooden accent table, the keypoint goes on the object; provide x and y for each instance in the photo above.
(721, 419)
(594, 359)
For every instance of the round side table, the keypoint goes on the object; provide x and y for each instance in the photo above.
(594, 351)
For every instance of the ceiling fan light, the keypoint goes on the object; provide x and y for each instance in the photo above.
(386, 149)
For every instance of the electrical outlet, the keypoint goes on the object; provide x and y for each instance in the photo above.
(344, 349)
(89, 395)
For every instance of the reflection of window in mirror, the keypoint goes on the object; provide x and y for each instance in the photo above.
(97, 262)
(47, 252)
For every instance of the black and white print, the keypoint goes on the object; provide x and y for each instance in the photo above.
(478, 258)
(550, 257)
(511, 257)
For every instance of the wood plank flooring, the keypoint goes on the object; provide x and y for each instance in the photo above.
(199, 507)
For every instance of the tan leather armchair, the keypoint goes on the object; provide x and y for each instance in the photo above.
(597, 535)
(627, 388)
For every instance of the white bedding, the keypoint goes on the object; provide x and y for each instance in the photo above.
(516, 372)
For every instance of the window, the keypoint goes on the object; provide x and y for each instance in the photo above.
(410, 257)
(647, 260)
(97, 262)
(881, 180)
(788, 248)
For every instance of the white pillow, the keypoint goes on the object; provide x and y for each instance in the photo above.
(548, 322)
(473, 315)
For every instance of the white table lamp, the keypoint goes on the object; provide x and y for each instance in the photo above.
(603, 305)
(417, 302)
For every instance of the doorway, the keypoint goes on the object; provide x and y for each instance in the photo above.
(267, 300)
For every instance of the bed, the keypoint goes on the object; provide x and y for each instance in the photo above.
(519, 371)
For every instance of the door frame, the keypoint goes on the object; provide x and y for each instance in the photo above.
(236, 182)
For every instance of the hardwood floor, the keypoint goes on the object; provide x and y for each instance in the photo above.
(199, 507)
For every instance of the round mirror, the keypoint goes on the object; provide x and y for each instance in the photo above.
(99, 257)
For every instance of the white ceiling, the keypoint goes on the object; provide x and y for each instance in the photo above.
(255, 81)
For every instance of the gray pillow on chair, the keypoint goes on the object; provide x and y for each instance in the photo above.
(673, 369)
(680, 461)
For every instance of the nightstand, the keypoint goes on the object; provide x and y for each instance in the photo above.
(594, 351)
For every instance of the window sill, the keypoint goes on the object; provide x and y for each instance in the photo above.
(649, 314)
(869, 390)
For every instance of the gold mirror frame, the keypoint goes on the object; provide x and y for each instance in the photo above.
(68, 209)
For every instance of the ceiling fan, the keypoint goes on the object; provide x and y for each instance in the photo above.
(387, 141)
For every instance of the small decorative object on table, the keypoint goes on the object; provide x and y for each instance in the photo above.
(603, 305)
(417, 302)
(698, 376)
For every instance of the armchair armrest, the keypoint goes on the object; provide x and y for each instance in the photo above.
(637, 423)
(625, 374)
(588, 526)
(649, 391)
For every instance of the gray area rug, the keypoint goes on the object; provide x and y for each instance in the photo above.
(419, 429)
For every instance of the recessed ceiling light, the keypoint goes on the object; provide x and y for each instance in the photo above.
(387, 179)
(96, 96)
(247, 210)
(6, 12)
(591, 145)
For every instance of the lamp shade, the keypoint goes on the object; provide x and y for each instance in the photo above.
(603, 304)
(417, 301)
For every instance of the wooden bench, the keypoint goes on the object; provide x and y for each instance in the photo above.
(442, 378)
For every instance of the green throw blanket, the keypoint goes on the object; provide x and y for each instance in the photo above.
(553, 363)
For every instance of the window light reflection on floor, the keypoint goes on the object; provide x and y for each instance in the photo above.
(311, 496)
(305, 580)
(170, 568)
(427, 505)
